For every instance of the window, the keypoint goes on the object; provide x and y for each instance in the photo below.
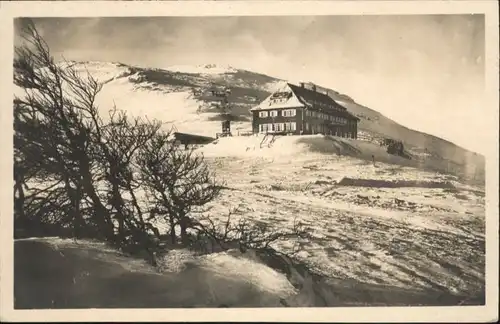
(273, 113)
(263, 114)
(307, 126)
(289, 112)
(290, 127)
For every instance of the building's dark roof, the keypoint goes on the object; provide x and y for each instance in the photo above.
(193, 138)
(311, 96)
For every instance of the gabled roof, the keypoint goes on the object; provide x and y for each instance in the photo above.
(309, 97)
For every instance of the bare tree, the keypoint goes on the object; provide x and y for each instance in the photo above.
(122, 140)
(58, 128)
(177, 181)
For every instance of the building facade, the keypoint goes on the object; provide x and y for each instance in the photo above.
(297, 110)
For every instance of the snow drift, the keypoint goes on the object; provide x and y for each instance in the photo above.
(317, 146)
(67, 274)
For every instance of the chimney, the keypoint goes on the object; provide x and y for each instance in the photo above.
(313, 87)
(301, 84)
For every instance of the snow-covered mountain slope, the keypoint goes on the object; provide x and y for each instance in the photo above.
(177, 95)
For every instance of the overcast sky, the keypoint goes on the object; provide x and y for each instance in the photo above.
(426, 72)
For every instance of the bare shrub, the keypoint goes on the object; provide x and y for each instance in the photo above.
(245, 234)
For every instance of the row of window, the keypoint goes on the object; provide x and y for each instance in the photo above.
(323, 116)
(275, 113)
(325, 130)
(309, 113)
(277, 127)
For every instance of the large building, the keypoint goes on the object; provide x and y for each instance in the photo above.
(303, 110)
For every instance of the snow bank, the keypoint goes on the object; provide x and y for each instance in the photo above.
(243, 269)
(64, 274)
(320, 146)
(254, 146)
(303, 145)
(229, 267)
(61, 274)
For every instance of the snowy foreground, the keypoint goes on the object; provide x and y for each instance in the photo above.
(428, 233)
(372, 242)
